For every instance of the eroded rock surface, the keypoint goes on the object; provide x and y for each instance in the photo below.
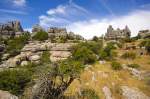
(132, 93)
(7, 95)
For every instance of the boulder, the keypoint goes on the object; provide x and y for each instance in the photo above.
(107, 92)
(7, 95)
(34, 58)
(24, 63)
(132, 93)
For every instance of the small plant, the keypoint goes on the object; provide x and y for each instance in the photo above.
(134, 65)
(129, 55)
(89, 94)
(14, 81)
(41, 36)
(116, 66)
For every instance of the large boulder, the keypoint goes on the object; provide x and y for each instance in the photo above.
(132, 93)
(34, 58)
(7, 95)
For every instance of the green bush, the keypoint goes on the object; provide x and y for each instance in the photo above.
(89, 94)
(41, 36)
(134, 65)
(45, 57)
(14, 81)
(84, 55)
(146, 44)
(14, 45)
(129, 55)
(116, 66)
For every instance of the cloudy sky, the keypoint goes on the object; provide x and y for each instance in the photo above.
(84, 17)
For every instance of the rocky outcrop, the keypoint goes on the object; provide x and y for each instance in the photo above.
(11, 29)
(32, 52)
(117, 34)
(7, 95)
(107, 92)
(37, 28)
(57, 32)
(132, 93)
(144, 34)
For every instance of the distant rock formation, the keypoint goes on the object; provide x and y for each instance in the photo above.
(37, 28)
(57, 32)
(117, 34)
(11, 29)
(144, 34)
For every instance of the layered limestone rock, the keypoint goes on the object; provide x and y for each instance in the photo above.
(132, 93)
(117, 34)
(7, 95)
(144, 34)
(11, 29)
(57, 32)
(32, 52)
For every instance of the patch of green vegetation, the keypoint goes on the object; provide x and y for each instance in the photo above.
(134, 65)
(40, 36)
(14, 81)
(146, 44)
(116, 65)
(129, 55)
(45, 58)
(14, 45)
(89, 94)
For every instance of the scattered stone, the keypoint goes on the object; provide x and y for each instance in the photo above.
(102, 62)
(24, 63)
(7, 95)
(129, 93)
(107, 92)
(34, 58)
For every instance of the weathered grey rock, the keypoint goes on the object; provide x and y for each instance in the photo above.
(7, 95)
(107, 92)
(34, 58)
(117, 34)
(11, 29)
(144, 33)
(24, 63)
(132, 93)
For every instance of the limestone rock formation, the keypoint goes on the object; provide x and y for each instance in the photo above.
(7, 95)
(132, 93)
(107, 92)
(37, 28)
(11, 29)
(57, 32)
(117, 34)
(144, 34)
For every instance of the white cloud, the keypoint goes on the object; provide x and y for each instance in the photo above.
(12, 11)
(136, 21)
(19, 2)
(63, 15)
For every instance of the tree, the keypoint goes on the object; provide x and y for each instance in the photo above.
(95, 38)
(14, 81)
(58, 79)
(41, 36)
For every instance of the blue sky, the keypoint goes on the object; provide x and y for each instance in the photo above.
(85, 17)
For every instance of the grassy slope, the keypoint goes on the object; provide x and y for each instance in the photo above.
(114, 79)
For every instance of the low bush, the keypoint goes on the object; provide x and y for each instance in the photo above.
(41, 36)
(129, 55)
(14, 81)
(89, 94)
(134, 65)
(116, 66)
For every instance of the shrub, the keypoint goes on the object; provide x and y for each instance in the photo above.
(45, 57)
(84, 55)
(134, 65)
(89, 94)
(116, 65)
(129, 55)
(146, 44)
(14, 81)
(41, 36)
(16, 44)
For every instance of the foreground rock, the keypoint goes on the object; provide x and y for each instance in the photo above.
(129, 93)
(107, 92)
(7, 95)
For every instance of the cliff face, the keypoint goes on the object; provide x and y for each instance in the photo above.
(11, 29)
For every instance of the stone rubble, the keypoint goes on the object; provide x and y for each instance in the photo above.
(7, 95)
(107, 92)
(132, 93)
